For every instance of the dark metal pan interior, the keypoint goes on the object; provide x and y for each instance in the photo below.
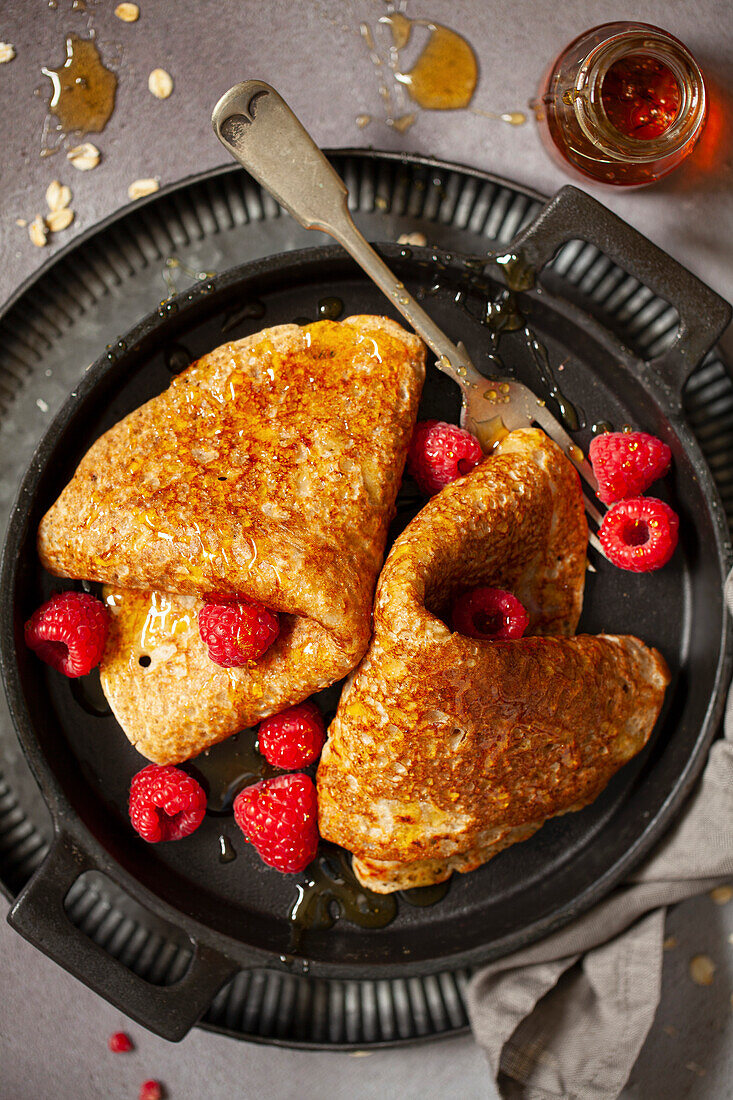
(85, 762)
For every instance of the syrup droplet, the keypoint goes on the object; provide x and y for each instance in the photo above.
(512, 118)
(601, 426)
(83, 95)
(177, 358)
(226, 850)
(330, 309)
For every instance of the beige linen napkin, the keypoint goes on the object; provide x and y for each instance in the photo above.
(567, 1017)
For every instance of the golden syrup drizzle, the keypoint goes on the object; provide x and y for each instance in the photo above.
(83, 95)
(159, 625)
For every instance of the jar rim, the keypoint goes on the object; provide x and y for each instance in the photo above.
(633, 40)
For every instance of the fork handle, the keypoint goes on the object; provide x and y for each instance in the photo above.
(258, 128)
(703, 314)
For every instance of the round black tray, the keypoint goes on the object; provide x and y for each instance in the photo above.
(99, 287)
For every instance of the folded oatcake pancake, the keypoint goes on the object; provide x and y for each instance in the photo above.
(269, 468)
(447, 749)
(173, 702)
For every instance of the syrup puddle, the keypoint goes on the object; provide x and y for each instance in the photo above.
(443, 76)
(226, 769)
(82, 95)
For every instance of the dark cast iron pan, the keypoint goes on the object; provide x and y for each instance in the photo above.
(236, 914)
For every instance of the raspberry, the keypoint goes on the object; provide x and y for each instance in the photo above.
(627, 463)
(237, 632)
(120, 1043)
(294, 737)
(165, 803)
(151, 1090)
(280, 817)
(639, 534)
(439, 453)
(69, 632)
(489, 613)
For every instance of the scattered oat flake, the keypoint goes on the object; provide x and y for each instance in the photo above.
(128, 13)
(160, 83)
(37, 231)
(694, 1067)
(418, 239)
(380, 203)
(721, 895)
(22, 222)
(139, 188)
(59, 219)
(702, 969)
(670, 943)
(58, 195)
(84, 157)
(42, 404)
(7, 52)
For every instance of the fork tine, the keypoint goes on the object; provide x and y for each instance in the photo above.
(595, 514)
(595, 543)
(549, 424)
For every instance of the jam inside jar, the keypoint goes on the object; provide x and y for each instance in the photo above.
(624, 103)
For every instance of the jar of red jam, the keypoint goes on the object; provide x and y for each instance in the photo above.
(624, 103)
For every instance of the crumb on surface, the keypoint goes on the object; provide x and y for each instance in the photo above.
(702, 969)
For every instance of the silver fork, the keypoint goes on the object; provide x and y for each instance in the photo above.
(258, 128)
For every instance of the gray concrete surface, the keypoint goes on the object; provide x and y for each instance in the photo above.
(53, 1031)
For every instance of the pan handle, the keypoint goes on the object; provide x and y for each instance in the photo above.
(571, 214)
(39, 916)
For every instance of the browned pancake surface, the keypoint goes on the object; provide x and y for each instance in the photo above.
(269, 468)
(446, 749)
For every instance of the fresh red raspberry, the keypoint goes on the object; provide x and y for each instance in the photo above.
(237, 632)
(69, 632)
(639, 534)
(280, 817)
(151, 1090)
(294, 737)
(627, 463)
(165, 803)
(439, 453)
(489, 613)
(120, 1043)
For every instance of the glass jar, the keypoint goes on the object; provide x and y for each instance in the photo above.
(624, 103)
